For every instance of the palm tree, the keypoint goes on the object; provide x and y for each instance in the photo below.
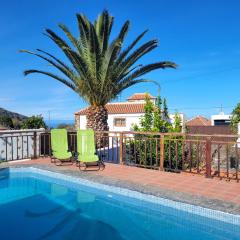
(99, 69)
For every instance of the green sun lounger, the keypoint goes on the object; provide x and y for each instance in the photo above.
(59, 147)
(87, 150)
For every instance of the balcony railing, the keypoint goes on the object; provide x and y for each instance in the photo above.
(209, 155)
(19, 144)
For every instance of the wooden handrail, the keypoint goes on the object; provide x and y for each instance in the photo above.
(158, 133)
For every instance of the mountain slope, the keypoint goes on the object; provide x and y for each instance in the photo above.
(13, 115)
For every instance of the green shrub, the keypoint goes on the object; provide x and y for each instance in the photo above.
(6, 122)
(33, 122)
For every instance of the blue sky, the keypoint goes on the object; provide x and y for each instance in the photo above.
(202, 37)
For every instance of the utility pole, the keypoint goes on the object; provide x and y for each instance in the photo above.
(49, 119)
(221, 109)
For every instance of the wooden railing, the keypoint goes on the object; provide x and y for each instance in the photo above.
(209, 155)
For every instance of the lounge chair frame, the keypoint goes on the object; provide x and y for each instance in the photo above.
(86, 165)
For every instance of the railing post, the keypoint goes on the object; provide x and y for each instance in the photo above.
(161, 164)
(121, 148)
(208, 158)
(34, 145)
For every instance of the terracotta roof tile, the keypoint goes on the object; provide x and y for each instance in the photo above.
(140, 96)
(119, 108)
(198, 121)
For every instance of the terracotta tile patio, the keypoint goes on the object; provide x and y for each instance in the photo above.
(197, 185)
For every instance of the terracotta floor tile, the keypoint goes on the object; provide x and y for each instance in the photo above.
(183, 182)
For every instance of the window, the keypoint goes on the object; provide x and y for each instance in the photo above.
(119, 122)
(222, 122)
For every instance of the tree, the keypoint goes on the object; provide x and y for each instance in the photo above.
(146, 121)
(34, 122)
(235, 117)
(154, 119)
(17, 123)
(99, 69)
(6, 121)
(177, 124)
(165, 109)
(157, 115)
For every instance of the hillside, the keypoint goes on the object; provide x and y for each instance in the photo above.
(10, 120)
(13, 115)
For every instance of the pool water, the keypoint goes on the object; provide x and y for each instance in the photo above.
(35, 206)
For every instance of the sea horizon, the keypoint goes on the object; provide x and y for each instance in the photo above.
(54, 123)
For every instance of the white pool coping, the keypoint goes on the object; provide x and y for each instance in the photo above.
(201, 211)
(22, 160)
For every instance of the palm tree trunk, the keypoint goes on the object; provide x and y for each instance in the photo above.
(97, 117)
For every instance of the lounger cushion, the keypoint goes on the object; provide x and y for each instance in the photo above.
(86, 146)
(59, 144)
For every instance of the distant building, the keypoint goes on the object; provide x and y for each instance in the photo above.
(210, 130)
(122, 115)
(198, 121)
(140, 98)
(221, 119)
(219, 124)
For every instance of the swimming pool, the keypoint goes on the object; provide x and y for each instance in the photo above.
(38, 204)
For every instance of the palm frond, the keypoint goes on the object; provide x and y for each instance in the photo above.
(129, 48)
(148, 68)
(56, 59)
(63, 68)
(72, 39)
(103, 26)
(126, 84)
(135, 56)
(62, 80)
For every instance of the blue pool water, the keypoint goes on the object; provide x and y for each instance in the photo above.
(38, 206)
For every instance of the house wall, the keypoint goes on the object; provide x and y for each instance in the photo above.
(238, 140)
(82, 122)
(131, 119)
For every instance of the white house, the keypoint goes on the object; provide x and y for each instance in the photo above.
(220, 119)
(122, 115)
